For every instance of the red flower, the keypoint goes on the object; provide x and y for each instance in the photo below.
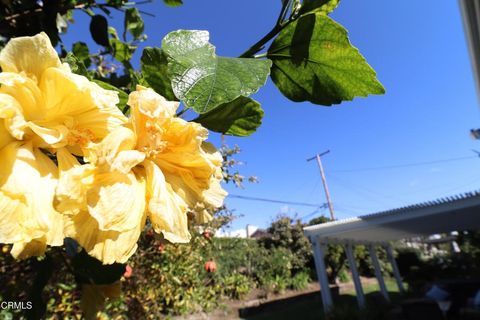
(128, 271)
(161, 248)
(207, 235)
(210, 266)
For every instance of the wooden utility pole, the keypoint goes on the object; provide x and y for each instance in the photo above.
(324, 180)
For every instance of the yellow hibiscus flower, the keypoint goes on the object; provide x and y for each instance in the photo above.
(160, 167)
(180, 166)
(43, 105)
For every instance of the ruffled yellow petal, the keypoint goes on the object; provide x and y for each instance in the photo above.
(115, 152)
(109, 246)
(149, 111)
(12, 115)
(150, 104)
(76, 110)
(5, 137)
(167, 211)
(191, 166)
(113, 198)
(31, 55)
(104, 200)
(27, 186)
(71, 191)
(24, 250)
(12, 213)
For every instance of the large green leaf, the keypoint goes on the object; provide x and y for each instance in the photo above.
(204, 80)
(240, 117)
(154, 66)
(133, 22)
(313, 60)
(320, 6)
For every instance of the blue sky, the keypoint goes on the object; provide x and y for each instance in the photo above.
(420, 55)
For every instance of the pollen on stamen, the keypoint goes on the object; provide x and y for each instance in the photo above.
(80, 136)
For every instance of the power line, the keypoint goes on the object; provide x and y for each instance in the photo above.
(310, 214)
(405, 165)
(278, 201)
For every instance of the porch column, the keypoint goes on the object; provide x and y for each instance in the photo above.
(318, 254)
(378, 271)
(356, 279)
(396, 272)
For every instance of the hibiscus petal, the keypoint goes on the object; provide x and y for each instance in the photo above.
(70, 194)
(53, 135)
(5, 137)
(27, 184)
(12, 113)
(105, 152)
(12, 213)
(31, 55)
(90, 109)
(24, 250)
(109, 246)
(148, 103)
(167, 211)
(113, 199)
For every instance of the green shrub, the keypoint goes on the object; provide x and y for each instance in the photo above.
(287, 234)
(343, 276)
(236, 285)
(300, 281)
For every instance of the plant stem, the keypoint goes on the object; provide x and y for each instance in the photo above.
(279, 25)
(182, 111)
(261, 43)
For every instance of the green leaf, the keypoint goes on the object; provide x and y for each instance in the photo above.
(204, 80)
(173, 3)
(122, 95)
(121, 51)
(313, 60)
(240, 117)
(320, 6)
(81, 51)
(154, 65)
(99, 30)
(76, 65)
(134, 22)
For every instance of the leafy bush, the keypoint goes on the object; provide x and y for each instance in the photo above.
(236, 285)
(300, 281)
(287, 234)
(343, 276)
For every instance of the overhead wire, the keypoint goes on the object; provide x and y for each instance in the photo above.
(278, 201)
(405, 165)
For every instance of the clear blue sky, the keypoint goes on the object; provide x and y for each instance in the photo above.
(419, 52)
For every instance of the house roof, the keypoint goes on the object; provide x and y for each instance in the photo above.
(459, 212)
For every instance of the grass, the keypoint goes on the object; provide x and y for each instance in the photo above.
(345, 306)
